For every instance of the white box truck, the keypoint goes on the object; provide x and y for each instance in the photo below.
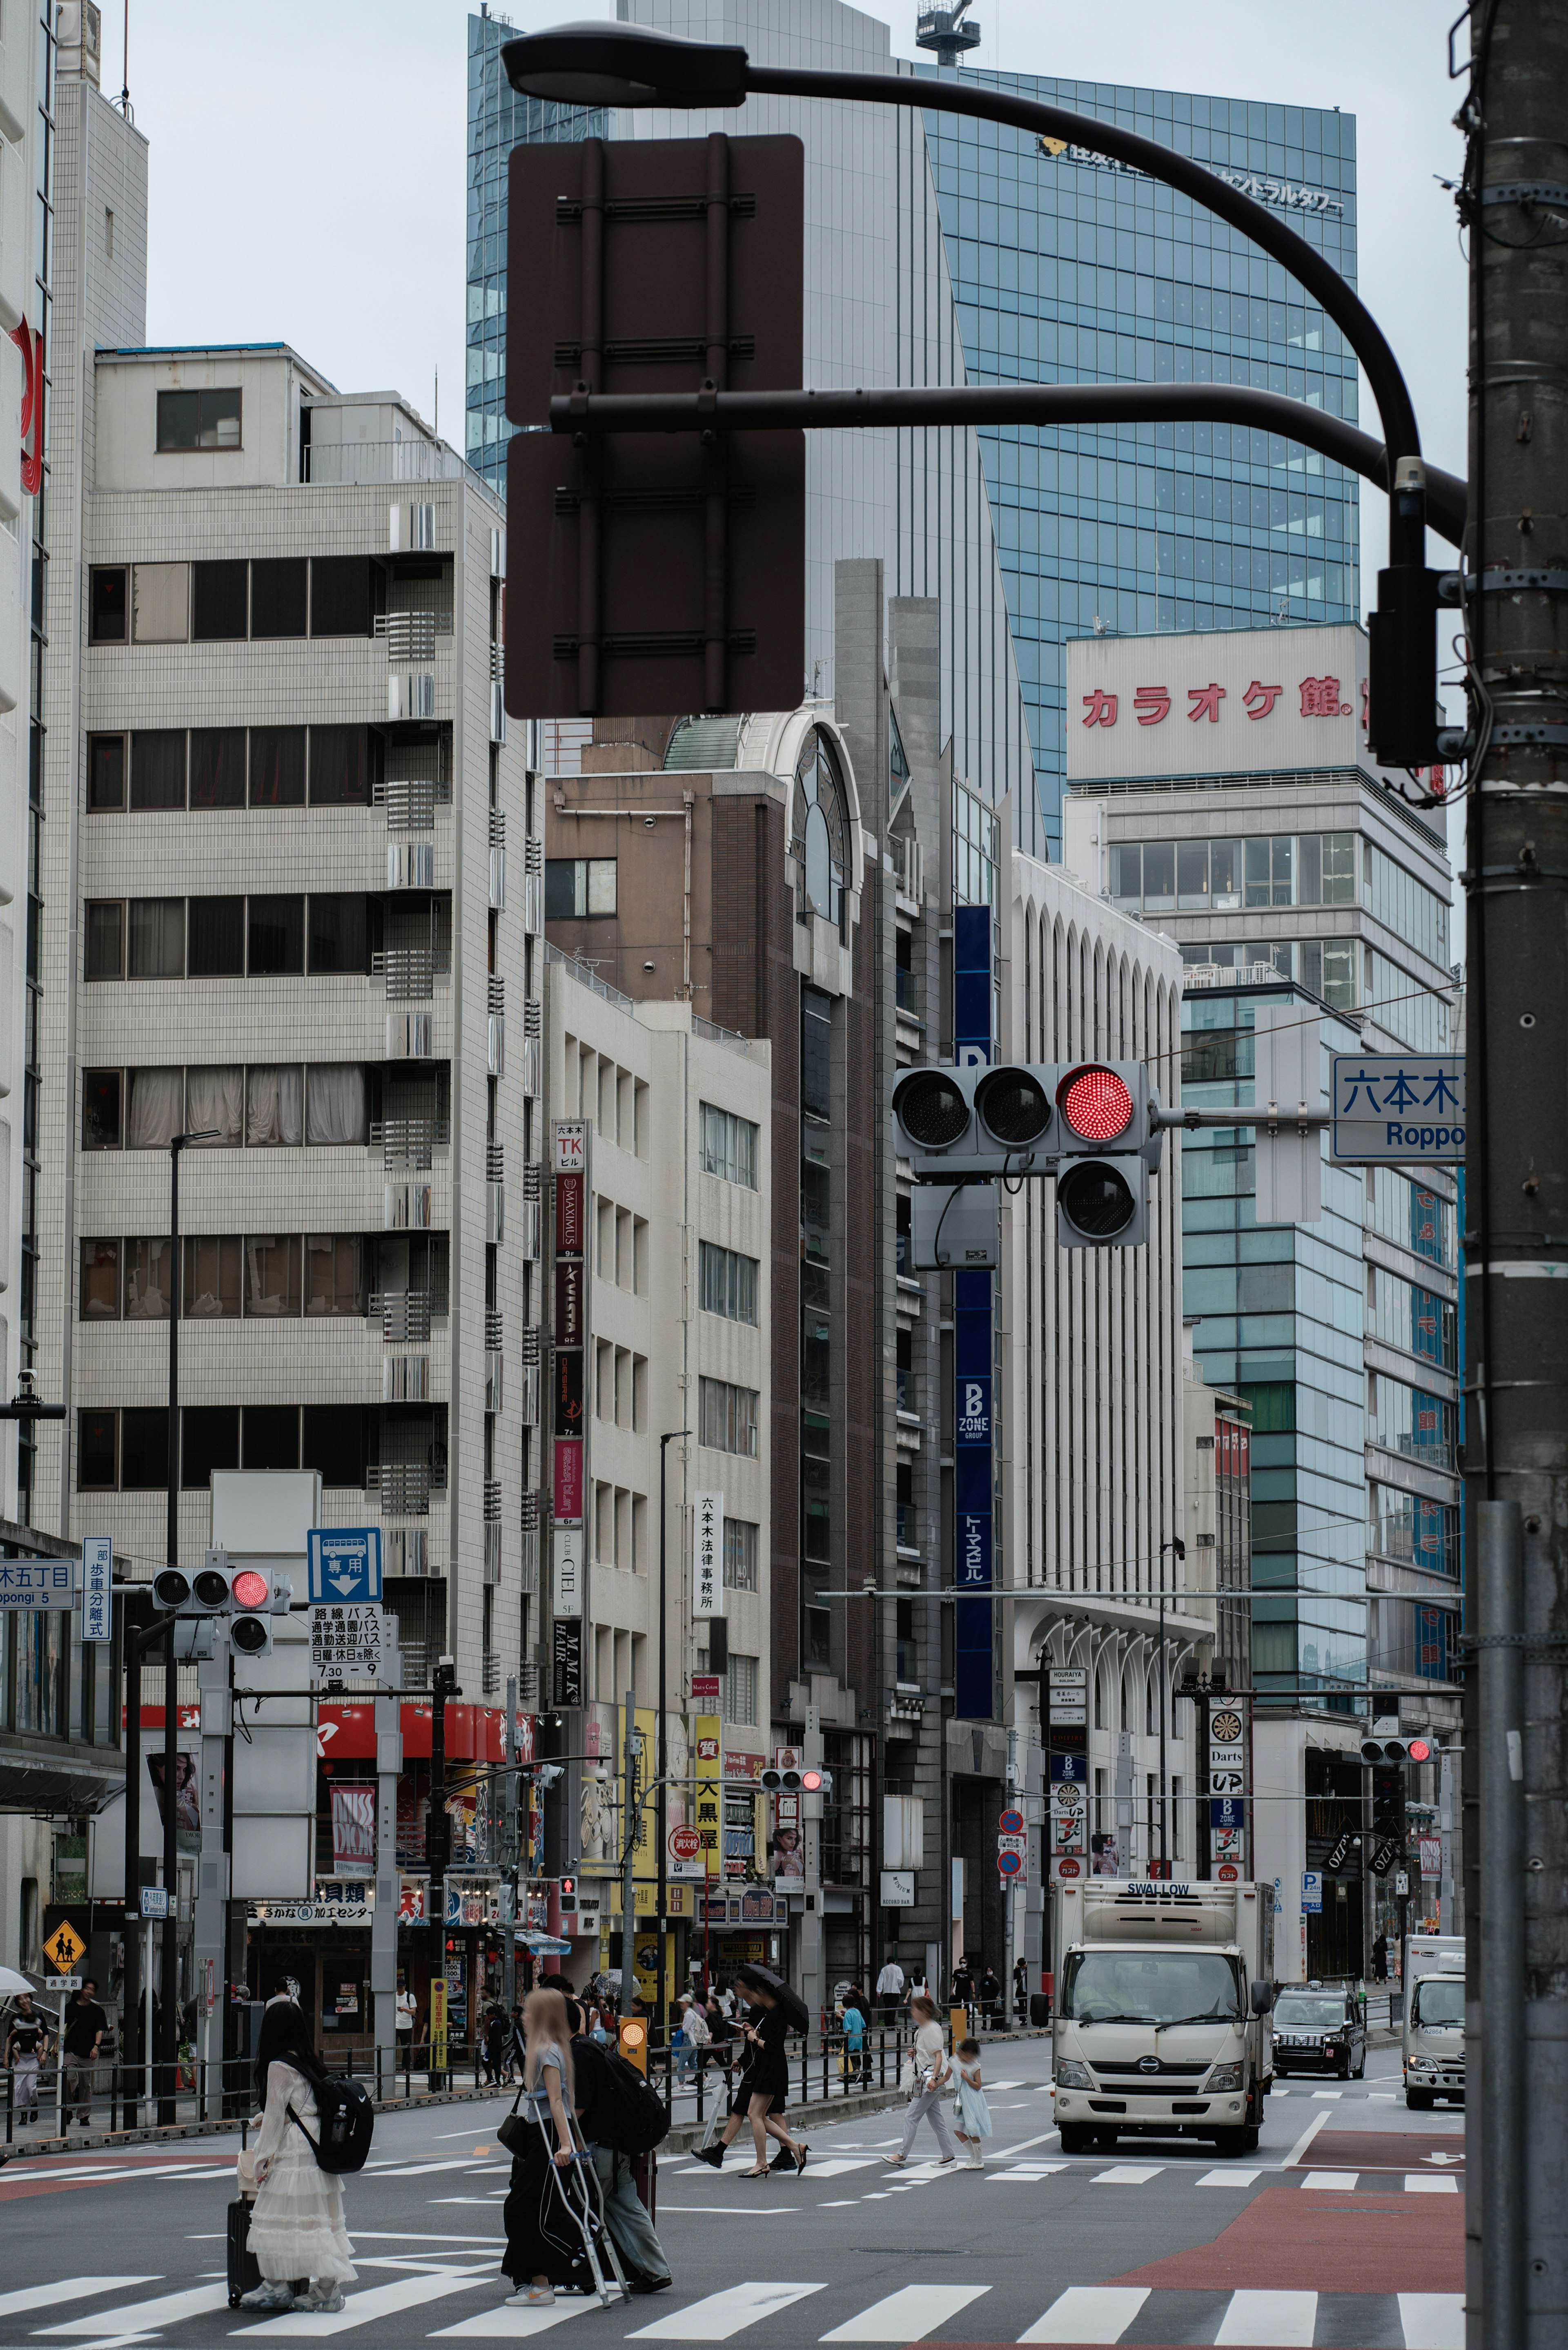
(1161, 2027)
(1432, 2042)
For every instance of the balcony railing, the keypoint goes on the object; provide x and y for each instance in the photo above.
(412, 636)
(343, 463)
(409, 1143)
(405, 1486)
(411, 971)
(407, 1314)
(411, 801)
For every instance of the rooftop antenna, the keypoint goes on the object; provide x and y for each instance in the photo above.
(125, 68)
(945, 31)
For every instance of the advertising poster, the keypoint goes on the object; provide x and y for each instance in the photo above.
(353, 1830)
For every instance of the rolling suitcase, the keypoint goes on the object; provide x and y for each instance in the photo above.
(244, 2272)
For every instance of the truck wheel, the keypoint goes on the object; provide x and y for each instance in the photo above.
(1076, 2138)
(1229, 2142)
(1420, 2101)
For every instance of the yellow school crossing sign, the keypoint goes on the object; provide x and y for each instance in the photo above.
(64, 1947)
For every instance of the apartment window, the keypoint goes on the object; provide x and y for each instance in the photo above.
(339, 767)
(97, 1451)
(218, 764)
(155, 933)
(106, 604)
(159, 603)
(105, 957)
(106, 771)
(277, 766)
(340, 935)
(740, 1689)
(577, 886)
(209, 1440)
(272, 1276)
(334, 1442)
(335, 1108)
(334, 1281)
(727, 1418)
(145, 1449)
(210, 1279)
(158, 768)
(147, 1279)
(279, 594)
(220, 601)
(816, 1051)
(740, 1555)
(198, 419)
(275, 1107)
(727, 1145)
(277, 937)
(101, 1110)
(271, 1436)
(341, 596)
(100, 1295)
(217, 938)
(728, 1282)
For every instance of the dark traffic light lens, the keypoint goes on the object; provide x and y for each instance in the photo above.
(1097, 1201)
(931, 1110)
(171, 1588)
(249, 1635)
(1095, 1104)
(211, 1588)
(1013, 1107)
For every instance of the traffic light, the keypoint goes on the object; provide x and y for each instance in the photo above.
(816, 1783)
(203, 1593)
(568, 1900)
(1109, 1148)
(1396, 1750)
(783, 1783)
(252, 1596)
(966, 1125)
(1402, 710)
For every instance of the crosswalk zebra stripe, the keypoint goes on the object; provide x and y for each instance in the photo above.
(148, 2316)
(1423, 2183)
(1228, 2177)
(504, 2324)
(1433, 2320)
(1332, 2181)
(46, 2297)
(1278, 2321)
(382, 2301)
(1089, 2312)
(722, 2314)
(1126, 2174)
(908, 2314)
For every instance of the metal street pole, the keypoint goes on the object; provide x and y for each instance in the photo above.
(1179, 1546)
(444, 1686)
(1515, 119)
(631, 1820)
(670, 1437)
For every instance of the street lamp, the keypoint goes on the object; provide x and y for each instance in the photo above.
(672, 1436)
(599, 64)
(169, 2037)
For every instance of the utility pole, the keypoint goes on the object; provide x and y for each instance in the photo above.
(438, 1835)
(812, 1988)
(1516, 1374)
(631, 1820)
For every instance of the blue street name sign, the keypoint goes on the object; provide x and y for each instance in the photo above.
(344, 1564)
(1397, 1108)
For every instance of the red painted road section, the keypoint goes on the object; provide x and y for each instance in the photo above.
(1286, 2240)
(17, 2183)
(1398, 2150)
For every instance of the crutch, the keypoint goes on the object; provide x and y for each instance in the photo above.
(575, 2195)
(583, 2175)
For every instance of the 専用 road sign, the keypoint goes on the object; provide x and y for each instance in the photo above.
(344, 1564)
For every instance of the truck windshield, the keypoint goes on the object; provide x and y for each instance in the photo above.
(1150, 1987)
(1299, 2011)
(1438, 2000)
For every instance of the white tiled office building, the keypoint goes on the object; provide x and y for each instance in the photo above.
(294, 904)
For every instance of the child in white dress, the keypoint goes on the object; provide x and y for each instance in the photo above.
(296, 2221)
(973, 2115)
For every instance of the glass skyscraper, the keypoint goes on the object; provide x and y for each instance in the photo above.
(1067, 268)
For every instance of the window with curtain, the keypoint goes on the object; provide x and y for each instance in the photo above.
(156, 1111)
(272, 1274)
(210, 1279)
(99, 1298)
(155, 938)
(727, 1145)
(216, 927)
(334, 1281)
(218, 763)
(338, 932)
(105, 949)
(158, 767)
(339, 767)
(739, 1689)
(275, 1107)
(215, 1104)
(147, 1279)
(209, 1440)
(106, 771)
(277, 766)
(727, 1418)
(334, 1104)
(740, 1555)
(275, 929)
(728, 1282)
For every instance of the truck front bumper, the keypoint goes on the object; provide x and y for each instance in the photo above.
(1161, 2115)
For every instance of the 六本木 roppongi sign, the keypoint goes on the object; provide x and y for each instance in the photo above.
(1221, 702)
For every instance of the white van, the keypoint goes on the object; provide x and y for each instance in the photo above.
(1433, 2041)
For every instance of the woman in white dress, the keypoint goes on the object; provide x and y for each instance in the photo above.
(297, 2221)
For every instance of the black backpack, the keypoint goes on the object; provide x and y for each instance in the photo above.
(346, 2118)
(628, 2112)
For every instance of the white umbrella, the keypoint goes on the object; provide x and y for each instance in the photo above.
(11, 1982)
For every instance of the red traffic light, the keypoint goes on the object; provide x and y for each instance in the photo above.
(1419, 1750)
(811, 1783)
(1096, 1103)
(251, 1589)
(568, 1885)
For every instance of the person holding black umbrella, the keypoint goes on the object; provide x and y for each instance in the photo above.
(763, 2089)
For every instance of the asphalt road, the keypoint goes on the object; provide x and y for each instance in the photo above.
(1344, 2229)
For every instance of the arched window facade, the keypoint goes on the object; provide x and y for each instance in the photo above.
(820, 832)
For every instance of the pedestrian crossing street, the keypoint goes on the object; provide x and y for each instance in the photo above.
(127, 2311)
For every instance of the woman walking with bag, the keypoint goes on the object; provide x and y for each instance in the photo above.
(928, 2075)
(296, 2221)
(543, 2240)
(761, 2091)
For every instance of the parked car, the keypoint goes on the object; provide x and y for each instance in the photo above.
(1319, 2029)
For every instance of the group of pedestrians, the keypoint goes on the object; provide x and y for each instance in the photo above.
(929, 2076)
(30, 2040)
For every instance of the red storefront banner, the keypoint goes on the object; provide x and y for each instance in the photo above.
(568, 1496)
(569, 1209)
(345, 1731)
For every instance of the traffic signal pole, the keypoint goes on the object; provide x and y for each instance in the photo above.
(1511, 201)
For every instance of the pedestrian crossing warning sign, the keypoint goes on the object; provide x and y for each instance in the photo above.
(64, 1947)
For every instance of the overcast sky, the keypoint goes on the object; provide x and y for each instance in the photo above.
(308, 166)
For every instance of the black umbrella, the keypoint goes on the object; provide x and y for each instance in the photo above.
(797, 2015)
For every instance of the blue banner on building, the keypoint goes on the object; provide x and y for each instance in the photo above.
(973, 1476)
